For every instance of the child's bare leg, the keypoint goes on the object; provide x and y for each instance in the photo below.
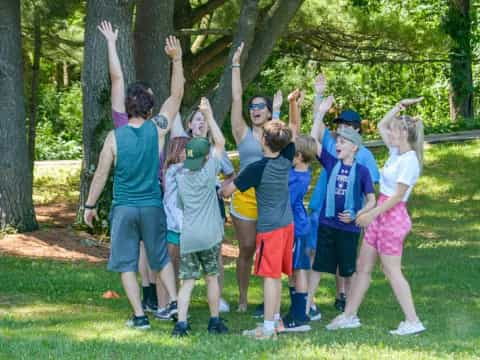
(301, 281)
(361, 279)
(271, 297)
(184, 298)
(313, 281)
(213, 294)
(340, 283)
(400, 286)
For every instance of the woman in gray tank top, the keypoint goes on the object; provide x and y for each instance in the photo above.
(243, 206)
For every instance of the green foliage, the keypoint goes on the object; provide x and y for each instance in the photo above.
(59, 124)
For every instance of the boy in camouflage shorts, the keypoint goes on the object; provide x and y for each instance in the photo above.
(202, 228)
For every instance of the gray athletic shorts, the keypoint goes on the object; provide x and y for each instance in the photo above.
(129, 225)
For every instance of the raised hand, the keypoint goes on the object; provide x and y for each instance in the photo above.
(294, 96)
(403, 104)
(107, 31)
(237, 54)
(325, 105)
(277, 101)
(301, 98)
(173, 48)
(320, 84)
(205, 108)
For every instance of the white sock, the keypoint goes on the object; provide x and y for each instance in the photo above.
(268, 325)
(276, 317)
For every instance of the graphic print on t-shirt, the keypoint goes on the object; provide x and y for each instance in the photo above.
(342, 181)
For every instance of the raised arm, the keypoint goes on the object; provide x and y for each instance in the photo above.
(177, 127)
(319, 90)
(115, 69)
(318, 127)
(218, 138)
(294, 118)
(106, 159)
(239, 126)
(171, 106)
(384, 124)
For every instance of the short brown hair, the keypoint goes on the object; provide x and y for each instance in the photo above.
(306, 146)
(277, 135)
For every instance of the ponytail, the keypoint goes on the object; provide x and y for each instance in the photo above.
(414, 127)
(417, 144)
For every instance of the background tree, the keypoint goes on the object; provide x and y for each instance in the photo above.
(97, 119)
(16, 205)
(458, 25)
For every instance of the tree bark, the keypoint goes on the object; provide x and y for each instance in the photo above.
(259, 41)
(16, 180)
(151, 62)
(458, 26)
(37, 47)
(97, 119)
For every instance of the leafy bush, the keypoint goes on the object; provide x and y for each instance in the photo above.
(59, 126)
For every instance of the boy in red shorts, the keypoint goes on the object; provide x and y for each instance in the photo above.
(274, 243)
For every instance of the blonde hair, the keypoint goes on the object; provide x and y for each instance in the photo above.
(306, 146)
(414, 128)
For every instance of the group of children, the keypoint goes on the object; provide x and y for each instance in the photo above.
(268, 206)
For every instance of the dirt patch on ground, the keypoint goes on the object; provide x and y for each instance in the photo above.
(57, 240)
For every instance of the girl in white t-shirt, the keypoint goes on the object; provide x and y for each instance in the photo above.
(389, 223)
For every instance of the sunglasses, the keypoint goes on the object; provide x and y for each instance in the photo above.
(259, 106)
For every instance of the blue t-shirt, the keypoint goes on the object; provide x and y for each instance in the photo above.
(365, 186)
(363, 157)
(298, 183)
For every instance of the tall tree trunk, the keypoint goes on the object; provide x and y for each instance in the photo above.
(16, 180)
(97, 119)
(245, 32)
(37, 47)
(66, 77)
(151, 63)
(458, 26)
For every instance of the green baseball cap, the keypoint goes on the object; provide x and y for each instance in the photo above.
(197, 148)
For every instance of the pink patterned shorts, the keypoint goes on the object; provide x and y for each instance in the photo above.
(388, 231)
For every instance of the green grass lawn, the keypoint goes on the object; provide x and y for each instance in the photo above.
(54, 310)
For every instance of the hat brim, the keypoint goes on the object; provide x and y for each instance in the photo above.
(339, 119)
(193, 164)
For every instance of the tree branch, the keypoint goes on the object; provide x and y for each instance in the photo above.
(200, 11)
(271, 29)
(208, 53)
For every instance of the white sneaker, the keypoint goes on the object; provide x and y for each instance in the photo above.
(344, 322)
(408, 328)
(223, 306)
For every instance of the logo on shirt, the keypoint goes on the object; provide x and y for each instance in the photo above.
(342, 182)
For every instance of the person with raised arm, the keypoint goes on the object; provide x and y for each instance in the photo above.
(349, 193)
(137, 209)
(388, 223)
(243, 207)
(202, 225)
(347, 119)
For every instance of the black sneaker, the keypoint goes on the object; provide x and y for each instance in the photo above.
(169, 313)
(291, 324)
(181, 329)
(138, 322)
(340, 303)
(258, 312)
(216, 326)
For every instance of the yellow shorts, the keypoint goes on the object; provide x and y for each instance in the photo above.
(244, 205)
